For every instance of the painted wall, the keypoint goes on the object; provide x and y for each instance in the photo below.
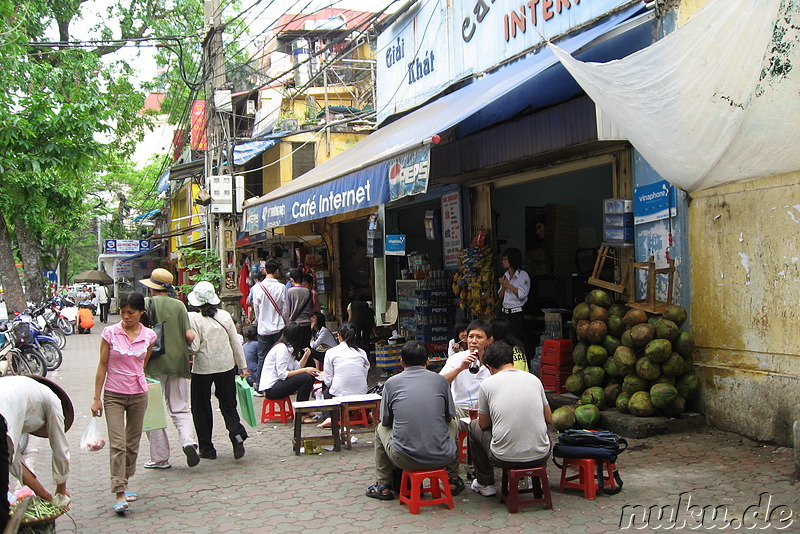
(745, 244)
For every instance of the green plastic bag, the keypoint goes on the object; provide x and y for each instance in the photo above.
(244, 394)
(155, 417)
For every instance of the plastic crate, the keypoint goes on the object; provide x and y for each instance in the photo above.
(433, 338)
(554, 382)
(428, 329)
(437, 347)
(432, 293)
(557, 352)
(432, 310)
(557, 369)
(388, 357)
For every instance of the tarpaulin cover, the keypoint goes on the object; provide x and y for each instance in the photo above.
(715, 101)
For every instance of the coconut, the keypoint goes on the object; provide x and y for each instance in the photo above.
(587, 416)
(595, 395)
(599, 297)
(575, 384)
(634, 317)
(622, 402)
(642, 334)
(676, 314)
(684, 344)
(677, 408)
(593, 376)
(663, 395)
(625, 360)
(673, 366)
(596, 332)
(641, 405)
(610, 343)
(580, 312)
(612, 391)
(617, 309)
(581, 328)
(563, 418)
(648, 369)
(596, 355)
(663, 380)
(633, 383)
(579, 353)
(687, 385)
(597, 313)
(666, 329)
(658, 350)
(615, 326)
(610, 367)
(626, 339)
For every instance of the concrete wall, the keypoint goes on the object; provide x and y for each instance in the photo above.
(745, 245)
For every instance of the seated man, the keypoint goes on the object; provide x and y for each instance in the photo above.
(418, 425)
(513, 414)
(464, 383)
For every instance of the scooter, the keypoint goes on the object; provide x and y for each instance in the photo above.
(49, 327)
(14, 359)
(36, 340)
(63, 313)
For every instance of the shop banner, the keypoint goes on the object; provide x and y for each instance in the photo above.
(362, 189)
(408, 174)
(654, 202)
(123, 268)
(452, 240)
(395, 245)
(126, 246)
(198, 123)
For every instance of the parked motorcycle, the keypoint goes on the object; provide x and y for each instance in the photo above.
(17, 361)
(63, 313)
(49, 327)
(34, 338)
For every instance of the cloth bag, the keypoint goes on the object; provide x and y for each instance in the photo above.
(155, 416)
(244, 394)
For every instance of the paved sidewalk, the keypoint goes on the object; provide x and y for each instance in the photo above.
(271, 490)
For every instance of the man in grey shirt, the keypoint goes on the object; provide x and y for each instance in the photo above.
(513, 414)
(418, 425)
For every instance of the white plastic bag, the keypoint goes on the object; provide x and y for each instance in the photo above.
(91, 440)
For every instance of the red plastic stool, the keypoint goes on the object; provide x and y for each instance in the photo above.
(361, 417)
(462, 447)
(412, 487)
(586, 477)
(540, 488)
(277, 409)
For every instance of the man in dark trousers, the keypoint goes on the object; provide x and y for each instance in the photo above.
(269, 302)
(418, 427)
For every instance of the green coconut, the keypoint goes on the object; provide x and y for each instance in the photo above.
(596, 332)
(610, 343)
(663, 395)
(579, 353)
(658, 350)
(563, 418)
(611, 369)
(595, 395)
(674, 366)
(640, 404)
(599, 297)
(633, 383)
(625, 359)
(642, 334)
(575, 384)
(648, 369)
(587, 416)
(596, 355)
(688, 385)
(626, 339)
(593, 376)
(677, 408)
(612, 391)
(580, 312)
(597, 313)
(666, 329)
(622, 402)
(684, 344)
(615, 326)
(617, 309)
(676, 314)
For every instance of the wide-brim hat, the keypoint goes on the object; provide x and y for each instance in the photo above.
(160, 279)
(66, 405)
(203, 293)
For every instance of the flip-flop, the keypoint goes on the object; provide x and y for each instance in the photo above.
(131, 496)
(121, 508)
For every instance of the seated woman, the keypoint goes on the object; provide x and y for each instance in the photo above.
(321, 338)
(501, 328)
(346, 368)
(459, 341)
(282, 374)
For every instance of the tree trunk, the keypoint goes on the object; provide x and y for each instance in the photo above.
(30, 252)
(12, 286)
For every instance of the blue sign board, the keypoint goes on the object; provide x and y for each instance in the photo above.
(395, 245)
(126, 246)
(654, 202)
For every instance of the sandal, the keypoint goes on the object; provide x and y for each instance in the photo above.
(121, 507)
(456, 486)
(131, 496)
(380, 491)
(310, 420)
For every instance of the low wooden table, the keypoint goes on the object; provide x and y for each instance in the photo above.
(304, 407)
(370, 401)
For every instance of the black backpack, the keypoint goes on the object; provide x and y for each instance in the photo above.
(600, 445)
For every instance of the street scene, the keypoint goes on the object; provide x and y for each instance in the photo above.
(399, 265)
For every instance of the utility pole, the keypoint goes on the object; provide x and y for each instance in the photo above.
(221, 227)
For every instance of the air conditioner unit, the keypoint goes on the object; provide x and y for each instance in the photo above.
(250, 108)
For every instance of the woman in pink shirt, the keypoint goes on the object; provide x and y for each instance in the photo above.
(124, 351)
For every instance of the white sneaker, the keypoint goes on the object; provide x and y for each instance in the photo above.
(486, 491)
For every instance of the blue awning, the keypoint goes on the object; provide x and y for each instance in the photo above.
(247, 151)
(149, 215)
(485, 102)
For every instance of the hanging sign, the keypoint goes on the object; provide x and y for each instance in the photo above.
(395, 245)
(654, 202)
(452, 241)
(408, 174)
(126, 246)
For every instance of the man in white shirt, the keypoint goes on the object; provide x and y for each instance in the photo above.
(38, 406)
(464, 384)
(269, 303)
(513, 414)
(515, 284)
(103, 303)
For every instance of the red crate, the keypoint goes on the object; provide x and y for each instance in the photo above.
(557, 352)
(554, 381)
(436, 347)
(555, 369)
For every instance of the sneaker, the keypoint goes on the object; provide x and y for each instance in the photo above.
(192, 458)
(157, 465)
(486, 491)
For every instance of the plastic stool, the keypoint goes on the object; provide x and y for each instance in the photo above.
(540, 488)
(277, 409)
(361, 417)
(462, 447)
(586, 477)
(412, 487)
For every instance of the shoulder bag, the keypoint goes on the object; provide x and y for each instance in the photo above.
(600, 445)
(159, 347)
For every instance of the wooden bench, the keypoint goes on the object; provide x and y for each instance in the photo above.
(305, 407)
(348, 403)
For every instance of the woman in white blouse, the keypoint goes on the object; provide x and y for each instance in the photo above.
(321, 339)
(217, 354)
(346, 368)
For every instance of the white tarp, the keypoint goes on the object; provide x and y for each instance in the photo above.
(714, 102)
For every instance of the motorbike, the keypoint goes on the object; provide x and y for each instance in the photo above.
(15, 360)
(63, 313)
(35, 339)
(47, 322)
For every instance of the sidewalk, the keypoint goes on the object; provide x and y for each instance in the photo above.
(272, 489)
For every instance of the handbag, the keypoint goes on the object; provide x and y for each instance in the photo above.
(244, 394)
(602, 446)
(159, 347)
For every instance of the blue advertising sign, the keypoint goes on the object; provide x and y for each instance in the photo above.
(654, 202)
(395, 245)
(408, 173)
(126, 246)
